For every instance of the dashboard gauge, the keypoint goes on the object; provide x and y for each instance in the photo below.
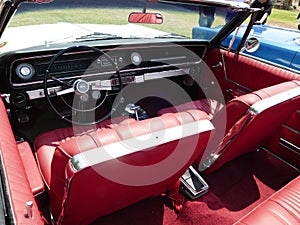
(136, 58)
(96, 95)
(25, 71)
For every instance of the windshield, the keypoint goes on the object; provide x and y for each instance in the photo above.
(76, 21)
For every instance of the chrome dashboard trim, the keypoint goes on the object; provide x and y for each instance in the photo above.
(108, 84)
(64, 78)
(178, 65)
(36, 94)
(165, 74)
(167, 59)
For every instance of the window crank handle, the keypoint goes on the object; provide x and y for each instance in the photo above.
(219, 64)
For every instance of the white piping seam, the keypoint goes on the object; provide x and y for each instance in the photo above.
(136, 144)
(264, 104)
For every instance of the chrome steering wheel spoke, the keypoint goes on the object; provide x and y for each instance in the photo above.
(87, 93)
(65, 91)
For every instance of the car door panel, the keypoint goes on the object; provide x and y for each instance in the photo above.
(242, 74)
(286, 141)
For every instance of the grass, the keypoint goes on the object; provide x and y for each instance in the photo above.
(172, 19)
(284, 18)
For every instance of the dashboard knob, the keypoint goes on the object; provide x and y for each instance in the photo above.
(136, 58)
(19, 99)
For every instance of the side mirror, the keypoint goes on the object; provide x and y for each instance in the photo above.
(149, 18)
(251, 45)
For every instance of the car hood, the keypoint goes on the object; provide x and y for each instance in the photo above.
(288, 38)
(46, 34)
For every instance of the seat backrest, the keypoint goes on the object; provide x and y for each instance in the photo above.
(226, 118)
(259, 121)
(238, 106)
(109, 169)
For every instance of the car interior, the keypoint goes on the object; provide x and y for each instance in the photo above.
(124, 131)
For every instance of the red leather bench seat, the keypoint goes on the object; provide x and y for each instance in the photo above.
(282, 208)
(97, 172)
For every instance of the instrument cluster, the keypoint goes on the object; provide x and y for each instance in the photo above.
(27, 71)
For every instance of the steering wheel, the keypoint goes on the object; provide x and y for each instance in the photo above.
(87, 90)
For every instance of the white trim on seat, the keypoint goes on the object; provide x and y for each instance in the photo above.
(237, 128)
(136, 144)
(264, 104)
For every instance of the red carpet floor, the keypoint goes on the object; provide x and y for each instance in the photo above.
(234, 190)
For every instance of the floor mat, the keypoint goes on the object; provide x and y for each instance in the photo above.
(235, 189)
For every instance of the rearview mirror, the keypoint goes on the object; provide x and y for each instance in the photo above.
(149, 18)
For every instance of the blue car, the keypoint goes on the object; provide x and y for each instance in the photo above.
(277, 45)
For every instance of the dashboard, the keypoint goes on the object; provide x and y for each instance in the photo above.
(25, 75)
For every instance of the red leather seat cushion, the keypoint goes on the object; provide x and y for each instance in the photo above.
(282, 208)
(46, 143)
(54, 149)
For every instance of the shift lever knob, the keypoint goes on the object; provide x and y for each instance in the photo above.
(133, 111)
(132, 108)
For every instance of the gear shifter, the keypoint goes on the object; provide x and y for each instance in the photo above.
(136, 112)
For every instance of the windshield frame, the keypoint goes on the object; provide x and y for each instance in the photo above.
(9, 7)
